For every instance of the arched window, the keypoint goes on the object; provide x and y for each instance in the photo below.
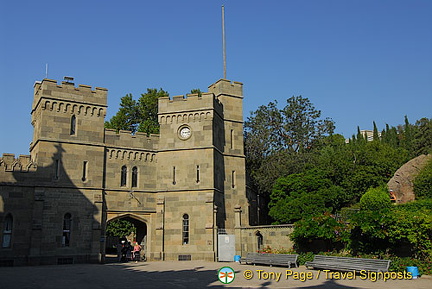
(185, 229)
(73, 125)
(67, 224)
(134, 177)
(123, 176)
(260, 240)
(7, 231)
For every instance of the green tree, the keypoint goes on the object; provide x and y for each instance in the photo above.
(422, 142)
(148, 110)
(196, 91)
(141, 115)
(299, 195)
(120, 228)
(375, 132)
(127, 116)
(279, 141)
(423, 182)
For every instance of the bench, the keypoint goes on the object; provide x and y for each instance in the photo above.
(348, 264)
(270, 259)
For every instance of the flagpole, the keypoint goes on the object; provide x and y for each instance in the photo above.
(223, 41)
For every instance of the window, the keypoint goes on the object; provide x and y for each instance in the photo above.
(134, 177)
(197, 174)
(232, 139)
(260, 240)
(7, 231)
(233, 179)
(56, 169)
(185, 233)
(123, 176)
(73, 125)
(174, 176)
(84, 172)
(67, 224)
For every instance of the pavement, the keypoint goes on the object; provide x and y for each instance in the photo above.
(191, 274)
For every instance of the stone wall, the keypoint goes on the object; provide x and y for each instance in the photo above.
(275, 237)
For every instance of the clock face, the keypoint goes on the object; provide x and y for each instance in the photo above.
(185, 132)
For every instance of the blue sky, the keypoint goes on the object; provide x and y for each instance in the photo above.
(357, 61)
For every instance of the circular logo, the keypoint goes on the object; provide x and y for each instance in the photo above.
(226, 275)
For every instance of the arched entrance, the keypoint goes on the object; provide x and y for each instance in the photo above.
(140, 235)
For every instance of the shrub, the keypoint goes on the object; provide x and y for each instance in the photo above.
(399, 231)
(375, 199)
(423, 182)
(320, 233)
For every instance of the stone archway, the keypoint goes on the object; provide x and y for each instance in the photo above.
(141, 230)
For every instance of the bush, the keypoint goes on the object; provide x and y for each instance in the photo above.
(423, 182)
(405, 230)
(320, 233)
(375, 199)
(399, 264)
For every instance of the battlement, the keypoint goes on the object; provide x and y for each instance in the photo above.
(190, 102)
(48, 88)
(23, 163)
(224, 86)
(125, 138)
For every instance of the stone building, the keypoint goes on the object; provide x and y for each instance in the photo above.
(180, 188)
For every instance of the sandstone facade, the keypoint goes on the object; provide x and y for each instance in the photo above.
(178, 187)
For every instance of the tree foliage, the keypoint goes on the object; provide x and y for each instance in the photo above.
(423, 182)
(320, 227)
(120, 228)
(138, 115)
(375, 199)
(400, 230)
(127, 116)
(279, 141)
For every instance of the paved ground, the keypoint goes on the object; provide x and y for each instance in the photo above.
(186, 274)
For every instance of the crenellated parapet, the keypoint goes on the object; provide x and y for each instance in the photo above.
(23, 163)
(226, 87)
(125, 138)
(58, 96)
(189, 108)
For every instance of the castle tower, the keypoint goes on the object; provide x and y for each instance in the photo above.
(68, 147)
(200, 169)
(68, 123)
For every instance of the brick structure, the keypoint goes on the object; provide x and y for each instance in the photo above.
(177, 187)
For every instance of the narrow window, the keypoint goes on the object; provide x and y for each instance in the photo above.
(174, 176)
(260, 240)
(123, 176)
(232, 139)
(233, 179)
(84, 172)
(67, 224)
(73, 125)
(185, 229)
(197, 174)
(134, 177)
(56, 169)
(7, 231)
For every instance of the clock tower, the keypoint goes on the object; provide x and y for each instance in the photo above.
(201, 173)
